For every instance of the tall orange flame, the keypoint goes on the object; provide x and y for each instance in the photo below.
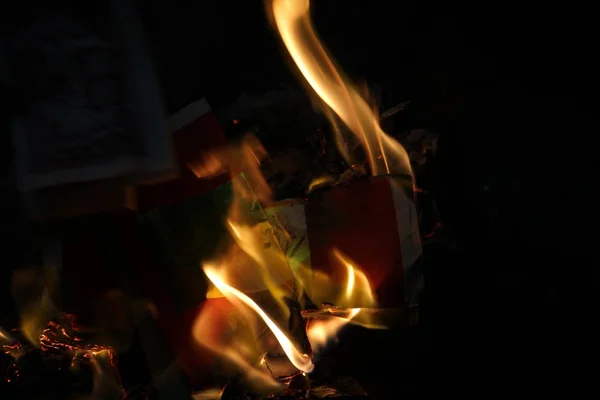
(292, 20)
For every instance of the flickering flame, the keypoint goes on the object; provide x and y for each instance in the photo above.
(355, 301)
(324, 329)
(292, 21)
(358, 287)
(30, 289)
(208, 394)
(352, 289)
(300, 361)
(351, 279)
(253, 262)
(320, 181)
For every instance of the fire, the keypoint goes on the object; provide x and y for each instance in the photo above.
(254, 262)
(355, 304)
(300, 360)
(208, 394)
(326, 328)
(66, 339)
(358, 284)
(30, 289)
(254, 268)
(352, 289)
(56, 337)
(43, 327)
(4, 337)
(292, 21)
(320, 181)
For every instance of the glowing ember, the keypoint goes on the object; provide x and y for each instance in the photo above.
(65, 340)
(55, 337)
(10, 346)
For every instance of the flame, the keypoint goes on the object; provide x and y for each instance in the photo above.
(358, 287)
(300, 360)
(5, 337)
(44, 327)
(30, 289)
(234, 347)
(324, 329)
(208, 394)
(253, 262)
(356, 304)
(292, 20)
(319, 182)
(352, 289)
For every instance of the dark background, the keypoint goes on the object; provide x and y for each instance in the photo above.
(510, 88)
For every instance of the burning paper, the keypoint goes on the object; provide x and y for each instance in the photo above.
(257, 277)
(252, 263)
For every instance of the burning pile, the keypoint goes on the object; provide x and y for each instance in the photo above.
(268, 315)
(63, 346)
(254, 274)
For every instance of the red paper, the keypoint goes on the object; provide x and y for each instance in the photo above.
(358, 219)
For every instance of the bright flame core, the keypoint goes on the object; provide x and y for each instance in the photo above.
(292, 21)
(300, 361)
